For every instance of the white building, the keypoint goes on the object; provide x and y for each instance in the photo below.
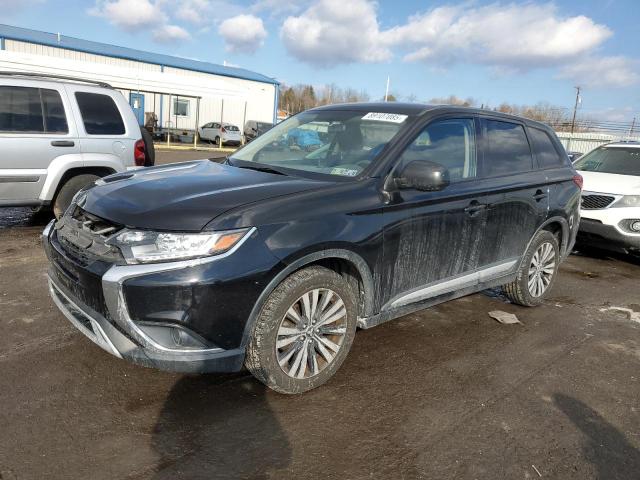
(182, 93)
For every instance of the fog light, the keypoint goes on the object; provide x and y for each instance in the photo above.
(634, 226)
(183, 339)
(172, 337)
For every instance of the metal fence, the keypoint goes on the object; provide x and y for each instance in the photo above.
(583, 142)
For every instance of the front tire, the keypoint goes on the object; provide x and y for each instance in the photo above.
(303, 332)
(68, 190)
(537, 272)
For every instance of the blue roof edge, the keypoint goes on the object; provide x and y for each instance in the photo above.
(10, 32)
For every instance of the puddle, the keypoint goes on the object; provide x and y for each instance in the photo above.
(23, 217)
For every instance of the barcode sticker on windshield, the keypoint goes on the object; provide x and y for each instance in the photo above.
(385, 117)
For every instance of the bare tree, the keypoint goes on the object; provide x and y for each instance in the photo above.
(453, 100)
(302, 97)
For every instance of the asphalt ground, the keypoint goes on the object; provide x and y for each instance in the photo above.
(444, 393)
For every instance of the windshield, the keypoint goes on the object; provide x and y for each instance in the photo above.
(341, 143)
(620, 160)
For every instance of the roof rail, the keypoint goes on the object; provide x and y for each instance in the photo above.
(55, 77)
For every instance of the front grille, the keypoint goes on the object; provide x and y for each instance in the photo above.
(596, 202)
(83, 237)
(82, 283)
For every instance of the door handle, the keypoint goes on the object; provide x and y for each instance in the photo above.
(63, 143)
(475, 208)
(539, 195)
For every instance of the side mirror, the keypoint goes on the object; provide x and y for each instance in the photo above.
(423, 175)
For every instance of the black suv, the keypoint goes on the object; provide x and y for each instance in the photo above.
(274, 258)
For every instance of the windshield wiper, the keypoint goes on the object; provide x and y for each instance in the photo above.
(262, 168)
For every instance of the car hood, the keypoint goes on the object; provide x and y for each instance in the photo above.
(610, 183)
(184, 196)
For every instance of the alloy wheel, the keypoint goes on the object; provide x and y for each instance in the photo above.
(542, 269)
(311, 333)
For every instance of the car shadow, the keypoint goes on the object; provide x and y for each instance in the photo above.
(218, 427)
(605, 447)
(600, 254)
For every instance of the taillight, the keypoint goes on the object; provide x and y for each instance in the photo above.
(577, 179)
(139, 153)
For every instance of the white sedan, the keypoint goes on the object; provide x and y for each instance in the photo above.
(214, 131)
(610, 208)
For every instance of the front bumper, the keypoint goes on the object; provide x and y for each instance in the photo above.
(594, 232)
(104, 316)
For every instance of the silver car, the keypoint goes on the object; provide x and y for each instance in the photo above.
(58, 135)
(214, 131)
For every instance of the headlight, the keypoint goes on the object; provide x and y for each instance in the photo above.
(139, 246)
(627, 201)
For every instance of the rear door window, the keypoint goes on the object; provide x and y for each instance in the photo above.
(100, 114)
(546, 153)
(507, 149)
(20, 110)
(55, 120)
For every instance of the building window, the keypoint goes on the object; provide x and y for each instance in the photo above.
(180, 107)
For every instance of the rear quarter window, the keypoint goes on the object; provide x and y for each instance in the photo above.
(100, 114)
(545, 151)
(507, 149)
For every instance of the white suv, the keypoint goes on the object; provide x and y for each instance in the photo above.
(59, 134)
(610, 207)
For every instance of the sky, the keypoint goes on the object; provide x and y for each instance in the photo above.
(521, 52)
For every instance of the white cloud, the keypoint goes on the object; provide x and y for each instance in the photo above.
(602, 72)
(170, 34)
(202, 12)
(516, 36)
(129, 15)
(507, 38)
(335, 31)
(243, 33)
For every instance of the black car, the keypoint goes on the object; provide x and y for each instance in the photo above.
(274, 258)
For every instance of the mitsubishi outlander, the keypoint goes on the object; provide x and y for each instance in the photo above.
(274, 258)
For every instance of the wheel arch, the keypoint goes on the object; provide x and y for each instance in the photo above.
(346, 263)
(74, 172)
(67, 166)
(559, 226)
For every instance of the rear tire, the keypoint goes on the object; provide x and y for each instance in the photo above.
(149, 148)
(217, 141)
(303, 332)
(537, 272)
(68, 190)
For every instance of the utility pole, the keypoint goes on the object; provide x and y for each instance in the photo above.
(633, 124)
(386, 92)
(575, 109)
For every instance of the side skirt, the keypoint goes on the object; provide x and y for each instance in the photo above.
(388, 315)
